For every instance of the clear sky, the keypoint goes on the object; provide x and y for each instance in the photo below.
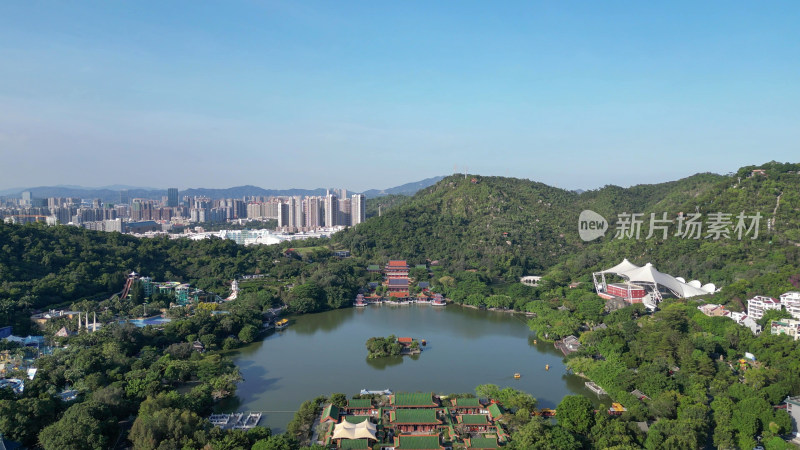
(375, 94)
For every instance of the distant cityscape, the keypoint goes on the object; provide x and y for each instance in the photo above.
(294, 214)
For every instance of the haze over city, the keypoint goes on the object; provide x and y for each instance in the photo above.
(373, 95)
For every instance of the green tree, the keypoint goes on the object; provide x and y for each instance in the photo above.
(339, 399)
(576, 414)
(21, 420)
(279, 442)
(248, 334)
(166, 428)
(83, 426)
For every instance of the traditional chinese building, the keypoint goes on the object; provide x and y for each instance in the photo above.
(414, 400)
(359, 407)
(467, 405)
(481, 443)
(398, 287)
(474, 423)
(418, 442)
(330, 414)
(414, 420)
(396, 269)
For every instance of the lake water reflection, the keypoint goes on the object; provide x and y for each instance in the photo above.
(319, 354)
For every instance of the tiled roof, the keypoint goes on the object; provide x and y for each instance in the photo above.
(470, 402)
(359, 403)
(495, 410)
(402, 416)
(354, 444)
(398, 282)
(481, 442)
(355, 419)
(331, 411)
(398, 263)
(413, 399)
(473, 419)
(417, 442)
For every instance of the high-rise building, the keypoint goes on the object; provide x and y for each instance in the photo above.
(291, 202)
(172, 197)
(331, 210)
(26, 199)
(358, 209)
(311, 210)
(283, 215)
(136, 211)
(297, 216)
(124, 197)
(344, 211)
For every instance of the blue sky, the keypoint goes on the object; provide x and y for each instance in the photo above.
(376, 94)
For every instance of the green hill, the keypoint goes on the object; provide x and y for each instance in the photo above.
(505, 228)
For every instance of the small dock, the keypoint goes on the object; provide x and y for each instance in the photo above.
(595, 388)
(236, 421)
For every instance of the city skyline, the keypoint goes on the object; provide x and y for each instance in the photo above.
(276, 93)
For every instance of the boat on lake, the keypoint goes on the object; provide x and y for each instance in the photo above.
(281, 324)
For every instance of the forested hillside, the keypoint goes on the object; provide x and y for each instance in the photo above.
(504, 228)
(42, 267)
(741, 266)
(501, 228)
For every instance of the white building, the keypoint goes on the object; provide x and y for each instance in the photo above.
(758, 305)
(793, 408)
(788, 327)
(358, 209)
(791, 301)
(745, 321)
(331, 210)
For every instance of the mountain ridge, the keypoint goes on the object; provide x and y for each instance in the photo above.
(107, 194)
(507, 227)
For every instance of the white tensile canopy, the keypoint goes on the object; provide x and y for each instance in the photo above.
(347, 430)
(648, 274)
(624, 266)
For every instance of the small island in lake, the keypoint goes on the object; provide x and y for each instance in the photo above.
(379, 347)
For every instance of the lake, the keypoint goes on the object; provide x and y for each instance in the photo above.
(319, 354)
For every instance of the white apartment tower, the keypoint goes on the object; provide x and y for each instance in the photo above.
(758, 305)
(358, 209)
(331, 210)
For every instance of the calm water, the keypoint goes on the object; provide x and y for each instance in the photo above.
(319, 354)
